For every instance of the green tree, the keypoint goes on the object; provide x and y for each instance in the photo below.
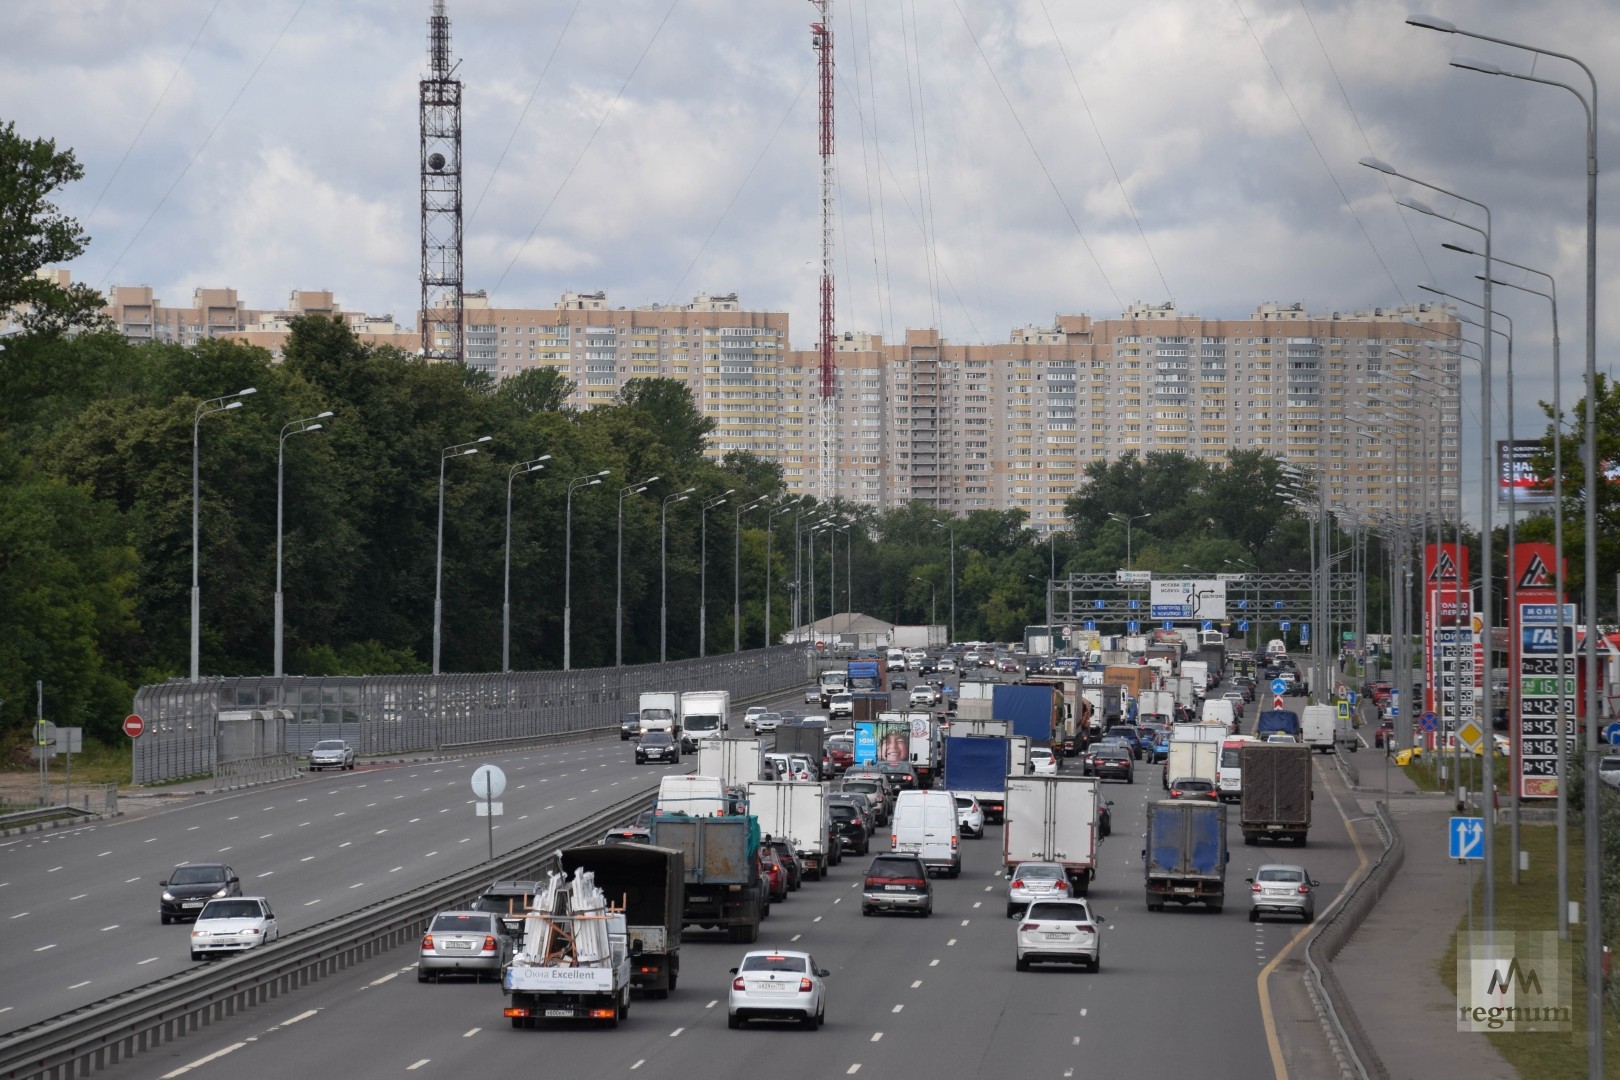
(35, 233)
(543, 389)
(670, 408)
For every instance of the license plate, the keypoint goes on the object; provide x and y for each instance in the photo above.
(773, 986)
(455, 946)
(559, 1012)
(1055, 937)
(1186, 888)
(895, 888)
(192, 903)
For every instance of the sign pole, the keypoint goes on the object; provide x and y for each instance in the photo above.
(39, 744)
(489, 818)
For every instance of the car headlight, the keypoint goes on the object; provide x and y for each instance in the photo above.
(225, 890)
(167, 895)
(197, 933)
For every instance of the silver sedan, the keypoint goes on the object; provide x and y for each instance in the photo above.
(331, 754)
(1282, 889)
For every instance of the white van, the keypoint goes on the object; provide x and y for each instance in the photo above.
(1220, 711)
(1319, 725)
(698, 796)
(924, 824)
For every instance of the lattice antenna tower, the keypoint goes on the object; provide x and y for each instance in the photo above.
(821, 39)
(441, 197)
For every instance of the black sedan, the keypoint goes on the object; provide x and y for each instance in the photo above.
(657, 746)
(1110, 760)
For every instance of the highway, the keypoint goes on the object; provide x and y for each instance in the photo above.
(1178, 991)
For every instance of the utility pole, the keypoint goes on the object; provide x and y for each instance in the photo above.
(440, 128)
(822, 41)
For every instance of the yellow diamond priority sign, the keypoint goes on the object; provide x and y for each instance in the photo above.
(1471, 735)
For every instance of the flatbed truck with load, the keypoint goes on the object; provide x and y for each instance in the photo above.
(649, 885)
(1186, 854)
(573, 957)
(720, 856)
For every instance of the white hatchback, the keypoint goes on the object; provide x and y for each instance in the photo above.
(779, 985)
(1041, 761)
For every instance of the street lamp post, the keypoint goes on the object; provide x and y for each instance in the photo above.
(703, 567)
(296, 427)
(952, 527)
(663, 571)
(512, 473)
(769, 520)
(207, 408)
(618, 603)
(568, 563)
(459, 450)
(736, 571)
(933, 602)
(1129, 564)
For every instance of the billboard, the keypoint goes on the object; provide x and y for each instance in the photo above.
(1516, 480)
(1197, 599)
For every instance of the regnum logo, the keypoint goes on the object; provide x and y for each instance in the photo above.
(1512, 981)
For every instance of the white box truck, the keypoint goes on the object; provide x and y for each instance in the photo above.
(797, 813)
(705, 714)
(661, 711)
(735, 761)
(1190, 760)
(1052, 819)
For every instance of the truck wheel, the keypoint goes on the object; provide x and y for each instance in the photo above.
(674, 977)
(1300, 840)
(750, 933)
(1249, 840)
(1215, 906)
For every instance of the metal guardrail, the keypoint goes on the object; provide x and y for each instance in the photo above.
(118, 1028)
(1360, 1056)
(193, 728)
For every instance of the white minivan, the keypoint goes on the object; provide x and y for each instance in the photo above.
(1319, 725)
(924, 824)
(1219, 711)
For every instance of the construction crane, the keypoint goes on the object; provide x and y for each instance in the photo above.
(826, 476)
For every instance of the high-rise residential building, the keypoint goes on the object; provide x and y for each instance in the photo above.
(1369, 399)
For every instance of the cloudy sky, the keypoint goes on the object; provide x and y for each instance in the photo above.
(999, 161)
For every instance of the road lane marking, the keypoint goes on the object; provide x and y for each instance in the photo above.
(1082, 1012)
(933, 963)
(795, 937)
(98, 856)
(396, 869)
(951, 942)
(148, 960)
(267, 873)
(676, 1032)
(358, 885)
(417, 1065)
(305, 1015)
(79, 985)
(430, 855)
(877, 1036)
(853, 1069)
(81, 896)
(215, 1056)
(413, 821)
(345, 844)
(379, 832)
(978, 903)
(816, 919)
(227, 847)
(916, 983)
(386, 978)
(897, 1008)
(267, 836)
(306, 858)
(131, 881)
(712, 1004)
(470, 1032)
(104, 929)
(311, 903)
(42, 948)
(964, 922)
(639, 1063)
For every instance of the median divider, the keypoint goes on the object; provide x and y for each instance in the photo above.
(121, 1027)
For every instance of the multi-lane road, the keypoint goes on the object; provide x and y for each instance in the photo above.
(1178, 992)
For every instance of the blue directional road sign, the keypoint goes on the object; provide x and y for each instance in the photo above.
(1098, 604)
(1132, 627)
(1168, 625)
(1243, 605)
(1429, 721)
(1278, 686)
(1305, 633)
(1243, 625)
(1135, 604)
(1352, 697)
(1208, 625)
(1277, 604)
(1611, 734)
(1284, 625)
(1091, 624)
(1467, 838)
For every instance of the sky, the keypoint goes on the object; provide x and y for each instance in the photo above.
(999, 162)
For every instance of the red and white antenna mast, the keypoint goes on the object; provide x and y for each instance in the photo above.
(821, 40)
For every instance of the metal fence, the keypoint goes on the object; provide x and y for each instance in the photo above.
(193, 728)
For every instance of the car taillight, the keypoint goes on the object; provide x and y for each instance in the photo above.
(804, 986)
(427, 941)
(1026, 927)
(489, 943)
(737, 983)
(894, 840)
(1085, 928)
(1255, 887)
(1019, 884)
(1303, 889)
(1062, 886)
(954, 842)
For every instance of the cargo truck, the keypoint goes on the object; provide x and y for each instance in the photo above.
(1276, 799)
(1277, 721)
(797, 813)
(975, 700)
(978, 765)
(649, 885)
(1052, 819)
(660, 711)
(1191, 760)
(1186, 854)
(572, 960)
(866, 676)
(734, 761)
(921, 732)
(1036, 711)
(807, 739)
(705, 714)
(1137, 678)
(867, 706)
(721, 858)
(1156, 706)
(918, 637)
(830, 683)
(1198, 672)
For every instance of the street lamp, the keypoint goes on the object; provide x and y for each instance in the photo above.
(736, 570)
(296, 427)
(769, 520)
(207, 408)
(1594, 925)
(568, 563)
(618, 603)
(1243, 566)
(1129, 564)
(933, 590)
(512, 473)
(703, 568)
(459, 450)
(663, 571)
(1048, 582)
(952, 527)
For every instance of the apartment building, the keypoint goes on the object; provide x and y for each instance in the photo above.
(142, 317)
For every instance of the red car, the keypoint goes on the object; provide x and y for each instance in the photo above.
(774, 873)
(840, 755)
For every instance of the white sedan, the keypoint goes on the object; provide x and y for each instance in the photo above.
(233, 924)
(1041, 761)
(777, 985)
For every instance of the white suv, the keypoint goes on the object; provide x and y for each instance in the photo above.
(924, 695)
(841, 705)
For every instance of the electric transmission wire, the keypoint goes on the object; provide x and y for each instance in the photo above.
(1097, 131)
(519, 124)
(1310, 138)
(153, 112)
(735, 195)
(204, 144)
(1389, 183)
(1085, 242)
(569, 175)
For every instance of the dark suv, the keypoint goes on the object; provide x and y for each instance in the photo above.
(850, 826)
(897, 883)
(191, 885)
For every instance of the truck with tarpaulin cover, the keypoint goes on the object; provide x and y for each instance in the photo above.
(720, 856)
